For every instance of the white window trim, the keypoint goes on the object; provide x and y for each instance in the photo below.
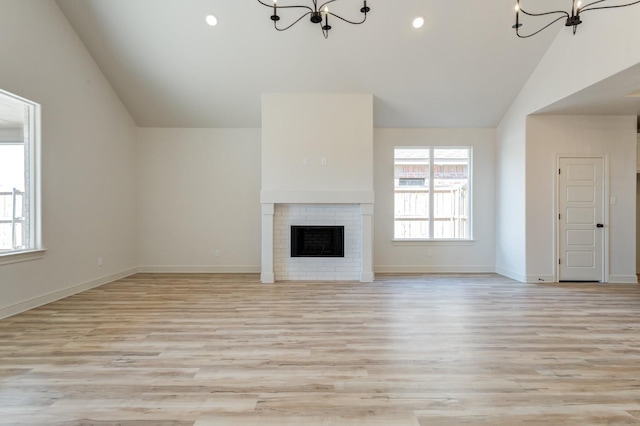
(21, 256)
(433, 242)
(441, 241)
(36, 250)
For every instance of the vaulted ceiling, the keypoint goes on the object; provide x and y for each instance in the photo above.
(462, 69)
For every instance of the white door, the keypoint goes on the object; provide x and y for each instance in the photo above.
(581, 219)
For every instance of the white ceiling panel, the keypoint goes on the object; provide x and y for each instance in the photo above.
(462, 69)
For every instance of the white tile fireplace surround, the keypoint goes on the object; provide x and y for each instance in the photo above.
(288, 268)
(277, 263)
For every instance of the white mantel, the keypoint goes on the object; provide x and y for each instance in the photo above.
(317, 149)
(316, 197)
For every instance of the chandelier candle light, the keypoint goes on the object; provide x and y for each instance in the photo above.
(572, 19)
(317, 14)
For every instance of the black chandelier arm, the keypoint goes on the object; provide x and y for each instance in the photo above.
(275, 23)
(564, 14)
(573, 18)
(285, 7)
(346, 20)
(587, 8)
(541, 29)
(580, 9)
(318, 11)
(340, 17)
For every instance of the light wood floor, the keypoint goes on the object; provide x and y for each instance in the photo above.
(405, 350)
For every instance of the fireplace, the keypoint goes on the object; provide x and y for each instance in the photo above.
(354, 219)
(317, 241)
(317, 179)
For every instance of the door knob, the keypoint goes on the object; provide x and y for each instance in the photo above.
(599, 225)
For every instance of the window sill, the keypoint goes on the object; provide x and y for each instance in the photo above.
(21, 256)
(439, 242)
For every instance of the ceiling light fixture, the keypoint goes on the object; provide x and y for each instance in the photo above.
(211, 20)
(417, 22)
(572, 18)
(317, 14)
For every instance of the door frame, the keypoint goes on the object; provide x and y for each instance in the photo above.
(605, 208)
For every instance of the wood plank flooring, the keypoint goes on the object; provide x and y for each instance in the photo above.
(406, 350)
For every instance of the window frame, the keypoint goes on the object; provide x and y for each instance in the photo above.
(35, 249)
(431, 180)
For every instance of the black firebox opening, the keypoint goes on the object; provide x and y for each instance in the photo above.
(317, 241)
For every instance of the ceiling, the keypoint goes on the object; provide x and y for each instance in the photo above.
(462, 69)
(616, 95)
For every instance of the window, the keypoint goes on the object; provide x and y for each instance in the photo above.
(432, 193)
(19, 129)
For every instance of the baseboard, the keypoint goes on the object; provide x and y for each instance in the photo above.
(613, 279)
(205, 269)
(432, 269)
(511, 274)
(532, 279)
(61, 294)
(367, 277)
(623, 279)
(267, 278)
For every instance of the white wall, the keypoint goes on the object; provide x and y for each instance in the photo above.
(199, 191)
(608, 136)
(510, 199)
(88, 159)
(605, 45)
(476, 256)
(207, 170)
(338, 127)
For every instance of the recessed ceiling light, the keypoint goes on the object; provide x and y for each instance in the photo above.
(418, 22)
(212, 20)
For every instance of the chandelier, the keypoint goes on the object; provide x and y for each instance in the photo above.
(317, 14)
(572, 18)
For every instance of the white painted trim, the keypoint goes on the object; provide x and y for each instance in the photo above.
(367, 277)
(267, 278)
(607, 205)
(267, 274)
(21, 256)
(61, 294)
(34, 190)
(432, 242)
(198, 269)
(366, 242)
(512, 275)
(35, 179)
(429, 269)
(623, 279)
(316, 197)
